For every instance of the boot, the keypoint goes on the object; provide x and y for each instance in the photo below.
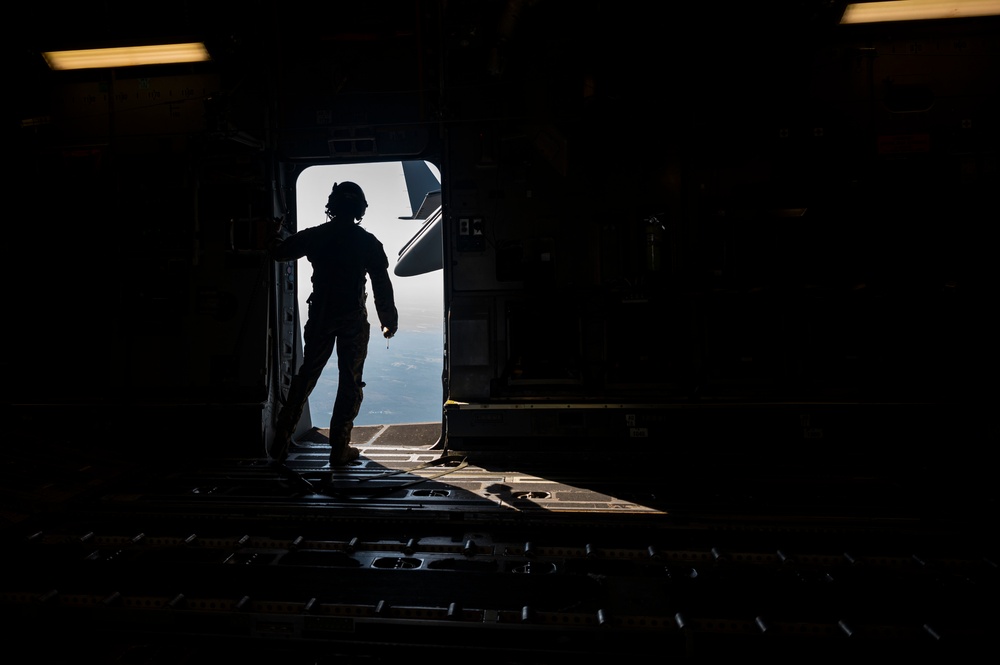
(343, 456)
(341, 452)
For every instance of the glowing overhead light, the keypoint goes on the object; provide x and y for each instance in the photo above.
(915, 10)
(127, 56)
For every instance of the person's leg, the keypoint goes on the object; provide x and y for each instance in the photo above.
(318, 347)
(352, 349)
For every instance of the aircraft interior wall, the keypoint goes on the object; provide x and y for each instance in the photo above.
(145, 285)
(806, 248)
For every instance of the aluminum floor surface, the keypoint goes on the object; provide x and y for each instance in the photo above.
(534, 557)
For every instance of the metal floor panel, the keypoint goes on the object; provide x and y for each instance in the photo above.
(529, 560)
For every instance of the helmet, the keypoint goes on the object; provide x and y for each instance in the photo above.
(346, 200)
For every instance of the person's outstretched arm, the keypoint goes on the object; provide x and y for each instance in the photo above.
(285, 247)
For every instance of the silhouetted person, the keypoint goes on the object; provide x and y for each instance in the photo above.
(342, 254)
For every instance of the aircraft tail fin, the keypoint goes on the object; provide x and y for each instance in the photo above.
(423, 188)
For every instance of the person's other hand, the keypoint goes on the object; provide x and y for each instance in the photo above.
(388, 333)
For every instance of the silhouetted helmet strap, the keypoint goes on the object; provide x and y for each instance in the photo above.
(347, 198)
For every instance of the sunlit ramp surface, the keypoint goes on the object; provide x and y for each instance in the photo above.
(399, 469)
(402, 473)
(511, 487)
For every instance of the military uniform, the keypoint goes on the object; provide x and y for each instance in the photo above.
(343, 256)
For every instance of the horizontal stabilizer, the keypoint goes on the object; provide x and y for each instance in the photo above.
(431, 203)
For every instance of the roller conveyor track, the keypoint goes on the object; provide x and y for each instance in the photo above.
(504, 563)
